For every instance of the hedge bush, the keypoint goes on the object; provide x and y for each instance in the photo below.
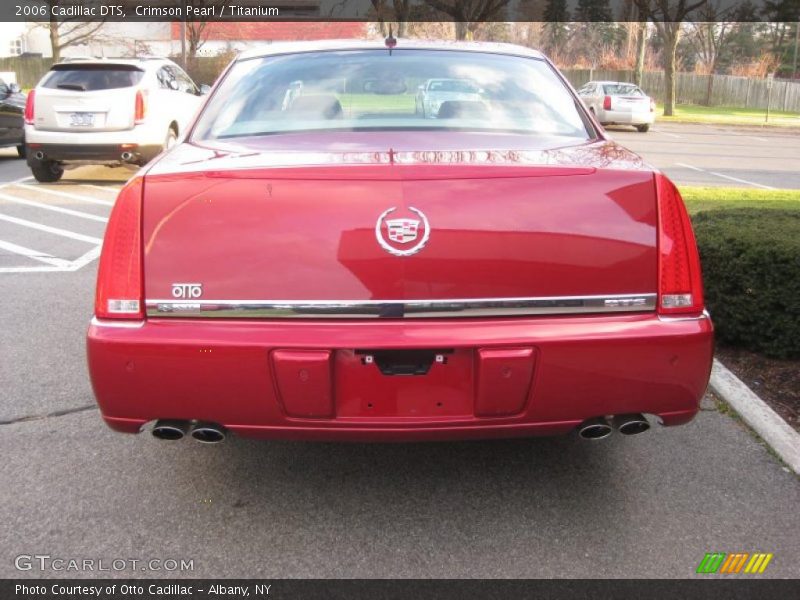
(751, 274)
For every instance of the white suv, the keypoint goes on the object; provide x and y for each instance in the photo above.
(106, 111)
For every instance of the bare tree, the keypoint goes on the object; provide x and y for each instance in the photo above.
(196, 28)
(467, 14)
(668, 17)
(392, 11)
(708, 38)
(641, 50)
(556, 16)
(432, 30)
(69, 31)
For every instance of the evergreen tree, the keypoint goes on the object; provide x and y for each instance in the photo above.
(556, 30)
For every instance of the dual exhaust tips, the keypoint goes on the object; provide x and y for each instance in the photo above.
(600, 427)
(202, 431)
(211, 433)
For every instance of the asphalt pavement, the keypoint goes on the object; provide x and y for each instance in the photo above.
(645, 506)
(714, 155)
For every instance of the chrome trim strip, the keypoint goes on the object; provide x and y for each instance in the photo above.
(395, 309)
(121, 324)
(701, 317)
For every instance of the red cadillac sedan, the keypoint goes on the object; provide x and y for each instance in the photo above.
(342, 250)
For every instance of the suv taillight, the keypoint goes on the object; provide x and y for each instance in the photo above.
(140, 108)
(29, 108)
(119, 275)
(680, 282)
(607, 103)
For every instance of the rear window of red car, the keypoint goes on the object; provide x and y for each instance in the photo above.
(409, 89)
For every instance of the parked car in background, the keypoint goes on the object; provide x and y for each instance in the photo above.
(436, 92)
(106, 111)
(340, 267)
(619, 103)
(12, 108)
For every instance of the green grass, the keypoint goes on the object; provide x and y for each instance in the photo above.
(712, 198)
(373, 103)
(684, 113)
(721, 115)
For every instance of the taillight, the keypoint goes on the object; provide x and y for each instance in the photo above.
(607, 103)
(680, 283)
(29, 108)
(119, 275)
(652, 105)
(140, 108)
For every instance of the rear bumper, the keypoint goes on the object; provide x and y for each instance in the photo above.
(92, 153)
(616, 117)
(240, 374)
(144, 141)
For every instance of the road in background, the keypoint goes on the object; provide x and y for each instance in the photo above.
(645, 506)
(713, 155)
(691, 154)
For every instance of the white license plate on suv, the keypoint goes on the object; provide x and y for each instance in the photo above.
(81, 119)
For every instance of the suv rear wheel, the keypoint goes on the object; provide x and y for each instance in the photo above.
(47, 171)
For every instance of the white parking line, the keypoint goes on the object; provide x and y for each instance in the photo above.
(675, 135)
(34, 269)
(113, 190)
(67, 266)
(52, 264)
(16, 181)
(45, 190)
(86, 258)
(758, 185)
(54, 230)
(34, 254)
(59, 209)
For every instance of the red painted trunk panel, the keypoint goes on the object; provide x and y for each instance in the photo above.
(287, 234)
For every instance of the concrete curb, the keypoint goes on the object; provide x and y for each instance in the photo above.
(784, 440)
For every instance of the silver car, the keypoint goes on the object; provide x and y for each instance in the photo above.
(619, 103)
(434, 93)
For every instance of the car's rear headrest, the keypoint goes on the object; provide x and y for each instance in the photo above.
(460, 109)
(320, 106)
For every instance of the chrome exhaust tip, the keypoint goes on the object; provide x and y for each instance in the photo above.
(169, 429)
(208, 433)
(595, 429)
(630, 424)
(39, 155)
(126, 156)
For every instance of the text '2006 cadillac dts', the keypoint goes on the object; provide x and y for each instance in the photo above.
(411, 241)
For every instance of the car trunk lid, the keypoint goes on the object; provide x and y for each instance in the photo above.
(397, 232)
(632, 103)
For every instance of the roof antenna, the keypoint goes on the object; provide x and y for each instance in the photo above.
(390, 41)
